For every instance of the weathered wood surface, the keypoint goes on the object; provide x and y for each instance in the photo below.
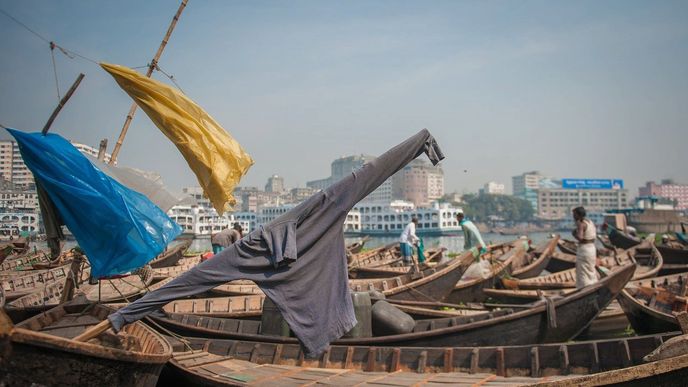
(34, 281)
(40, 350)
(505, 361)
(665, 373)
(183, 265)
(203, 368)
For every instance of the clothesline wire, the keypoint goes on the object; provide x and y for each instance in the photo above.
(25, 26)
(171, 77)
(71, 54)
(52, 56)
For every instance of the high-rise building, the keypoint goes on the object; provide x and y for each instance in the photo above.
(418, 182)
(526, 186)
(342, 167)
(667, 189)
(12, 165)
(13, 169)
(275, 184)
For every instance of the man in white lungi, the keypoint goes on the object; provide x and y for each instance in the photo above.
(407, 239)
(586, 254)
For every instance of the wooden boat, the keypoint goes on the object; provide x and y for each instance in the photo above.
(534, 262)
(647, 256)
(666, 373)
(621, 239)
(471, 289)
(504, 361)
(561, 261)
(356, 247)
(201, 368)
(390, 270)
(432, 284)
(566, 318)
(608, 324)
(649, 304)
(675, 259)
(24, 262)
(171, 256)
(381, 256)
(111, 290)
(568, 246)
(182, 266)
(20, 286)
(13, 248)
(40, 350)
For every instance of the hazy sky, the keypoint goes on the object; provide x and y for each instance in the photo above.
(573, 89)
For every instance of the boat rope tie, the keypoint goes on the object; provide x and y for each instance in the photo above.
(181, 338)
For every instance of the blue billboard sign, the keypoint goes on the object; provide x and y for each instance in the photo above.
(592, 183)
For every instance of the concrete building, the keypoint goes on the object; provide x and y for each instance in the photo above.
(275, 184)
(297, 195)
(342, 167)
(525, 186)
(12, 166)
(418, 182)
(596, 195)
(493, 188)
(13, 169)
(667, 189)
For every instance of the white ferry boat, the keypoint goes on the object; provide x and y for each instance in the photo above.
(201, 222)
(390, 218)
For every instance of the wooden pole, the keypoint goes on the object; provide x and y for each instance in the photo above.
(94, 331)
(102, 149)
(151, 67)
(72, 278)
(63, 101)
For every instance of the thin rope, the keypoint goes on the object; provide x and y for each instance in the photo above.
(39, 36)
(171, 77)
(52, 56)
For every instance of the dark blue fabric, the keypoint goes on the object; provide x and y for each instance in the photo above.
(118, 228)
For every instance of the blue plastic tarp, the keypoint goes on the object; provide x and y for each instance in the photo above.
(119, 229)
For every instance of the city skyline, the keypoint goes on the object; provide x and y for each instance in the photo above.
(582, 90)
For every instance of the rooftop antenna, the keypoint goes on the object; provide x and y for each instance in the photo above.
(151, 66)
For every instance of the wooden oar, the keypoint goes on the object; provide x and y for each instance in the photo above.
(94, 331)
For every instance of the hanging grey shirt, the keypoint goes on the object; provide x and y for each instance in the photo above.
(299, 259)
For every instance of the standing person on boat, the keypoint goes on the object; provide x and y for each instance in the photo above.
(471, 235)
(221, 240)
(586, 253)
(408, 238)
(236, 233)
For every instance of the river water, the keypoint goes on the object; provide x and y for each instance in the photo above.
(453, 244)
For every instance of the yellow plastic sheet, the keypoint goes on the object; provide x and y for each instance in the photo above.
(215, 157)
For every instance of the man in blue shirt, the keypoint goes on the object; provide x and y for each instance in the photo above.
(471, 234)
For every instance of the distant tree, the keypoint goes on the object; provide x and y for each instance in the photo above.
(486, 207)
